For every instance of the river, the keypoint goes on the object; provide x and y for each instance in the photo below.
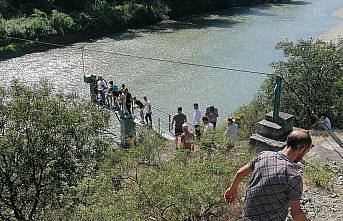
(243, 38)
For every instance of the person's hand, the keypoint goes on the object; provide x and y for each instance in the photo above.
(230, 195)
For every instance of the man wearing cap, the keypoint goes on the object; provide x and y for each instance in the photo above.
(276, 183)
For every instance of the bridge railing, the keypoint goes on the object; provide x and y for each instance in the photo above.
(161, 120)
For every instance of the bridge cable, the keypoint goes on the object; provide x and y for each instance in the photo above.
(82, 48)
(143, 57)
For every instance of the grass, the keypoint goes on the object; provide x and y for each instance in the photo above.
(318, 175)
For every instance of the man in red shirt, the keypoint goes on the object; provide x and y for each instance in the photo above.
(187, 138)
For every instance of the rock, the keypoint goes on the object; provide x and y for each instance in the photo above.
(333, 195)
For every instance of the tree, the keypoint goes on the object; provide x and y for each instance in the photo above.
(314, 69)
(49, 142)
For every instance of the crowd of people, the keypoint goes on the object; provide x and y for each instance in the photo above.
(113, 96)
(203, 124)
(284, 188)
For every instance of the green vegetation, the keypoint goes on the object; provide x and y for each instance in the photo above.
(147, 182)
(314, 70)
(56, 165)
(317, 174)
(66, 21)
(48, 143)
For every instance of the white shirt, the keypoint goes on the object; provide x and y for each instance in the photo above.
(121, 99)
(102, 85)
(196, 117)
(232, 131)
(148, 108)
(208, 128)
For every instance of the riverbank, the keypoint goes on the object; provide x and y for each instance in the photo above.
(64, 24)
(335, 33)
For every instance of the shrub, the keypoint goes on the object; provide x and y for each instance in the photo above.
(314, 70)
(62, 22)
(317, 174)
(147, 182)
(49, 142)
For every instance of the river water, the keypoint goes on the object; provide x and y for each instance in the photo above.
(243, 38)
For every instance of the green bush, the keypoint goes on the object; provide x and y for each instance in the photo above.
(317, 174)
(107, 19)
(148, 182)
(34, 28)
(313, 70)
(137, 14)
(49, 142)
(83, 21)
(62, 23)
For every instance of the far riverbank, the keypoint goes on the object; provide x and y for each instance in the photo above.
(335, 33)
(66, 24)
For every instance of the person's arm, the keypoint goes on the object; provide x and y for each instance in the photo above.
(297, 213)
(193, 138)
(231, 192)
(172, 124)
(225, 134)
(183, 140)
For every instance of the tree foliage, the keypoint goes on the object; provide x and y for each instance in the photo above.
(49, 142)
(314, 71)
(60, 20)
(148, 182)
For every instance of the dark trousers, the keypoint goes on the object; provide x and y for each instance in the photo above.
(148, 117)
(214, 124)
(128, 107)
(197, 131)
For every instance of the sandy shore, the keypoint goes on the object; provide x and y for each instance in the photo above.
(335, 33)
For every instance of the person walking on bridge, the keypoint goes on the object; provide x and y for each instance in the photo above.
(178, 120)
(148, 110)
(197, 120)
(128, 100)
(276, 183)
(140, 105)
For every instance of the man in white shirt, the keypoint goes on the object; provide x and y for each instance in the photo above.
(102, 88)
(231, 131)
(197, 120)
(148, 110)
(208, 127)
